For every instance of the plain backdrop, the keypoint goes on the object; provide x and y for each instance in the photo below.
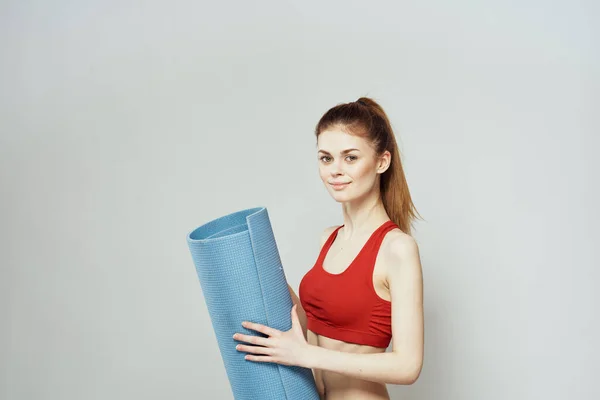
(126, 124)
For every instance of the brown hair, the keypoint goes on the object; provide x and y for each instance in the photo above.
(366, 118)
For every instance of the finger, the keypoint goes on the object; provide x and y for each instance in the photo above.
(261, 328)
(255, 349)
(258, 340)
(259, 358)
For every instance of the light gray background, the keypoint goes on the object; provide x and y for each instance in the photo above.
(126, 124)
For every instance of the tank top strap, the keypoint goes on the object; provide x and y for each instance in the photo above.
(327, 245)
(385, 228)
(369, 256)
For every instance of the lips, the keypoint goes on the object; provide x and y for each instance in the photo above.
(339, 185)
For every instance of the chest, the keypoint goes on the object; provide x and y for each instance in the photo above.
(367, 273)
(354, 299)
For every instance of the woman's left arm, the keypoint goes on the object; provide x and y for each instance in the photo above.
(403, 364)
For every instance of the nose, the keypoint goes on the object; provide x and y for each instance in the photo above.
(335, 169)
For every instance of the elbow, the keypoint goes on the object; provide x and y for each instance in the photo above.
(410, 375)
(412, 378)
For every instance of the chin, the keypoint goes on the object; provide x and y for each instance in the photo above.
(341, 197)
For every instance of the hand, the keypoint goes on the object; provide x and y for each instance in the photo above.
(287, 348)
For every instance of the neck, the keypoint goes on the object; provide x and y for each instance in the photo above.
(364, 215)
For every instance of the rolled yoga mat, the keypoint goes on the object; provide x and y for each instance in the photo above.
(242, 279)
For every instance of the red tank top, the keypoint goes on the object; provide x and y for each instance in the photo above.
(345, 306)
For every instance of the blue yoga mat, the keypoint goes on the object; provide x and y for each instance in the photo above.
(242, 279)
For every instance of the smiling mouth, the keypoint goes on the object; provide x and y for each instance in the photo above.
(338, 185)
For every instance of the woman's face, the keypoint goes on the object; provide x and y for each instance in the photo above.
(348, 165)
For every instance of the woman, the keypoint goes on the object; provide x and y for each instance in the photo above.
(366, 285)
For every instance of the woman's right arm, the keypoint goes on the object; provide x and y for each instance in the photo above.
(299, 310)
(311, 338)
(301, 313)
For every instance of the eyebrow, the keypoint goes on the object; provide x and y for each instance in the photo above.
(343, 152)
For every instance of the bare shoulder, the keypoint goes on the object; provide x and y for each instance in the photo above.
(326, 233)
(400, 249)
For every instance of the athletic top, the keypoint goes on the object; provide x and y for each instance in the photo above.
(345, 306)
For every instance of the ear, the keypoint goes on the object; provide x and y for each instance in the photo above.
(384, 162)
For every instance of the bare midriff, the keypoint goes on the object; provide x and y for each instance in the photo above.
(343, 387)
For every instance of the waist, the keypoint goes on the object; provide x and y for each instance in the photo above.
(345, 392)
(342, 387)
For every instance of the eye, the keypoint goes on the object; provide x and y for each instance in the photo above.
(327, 158)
